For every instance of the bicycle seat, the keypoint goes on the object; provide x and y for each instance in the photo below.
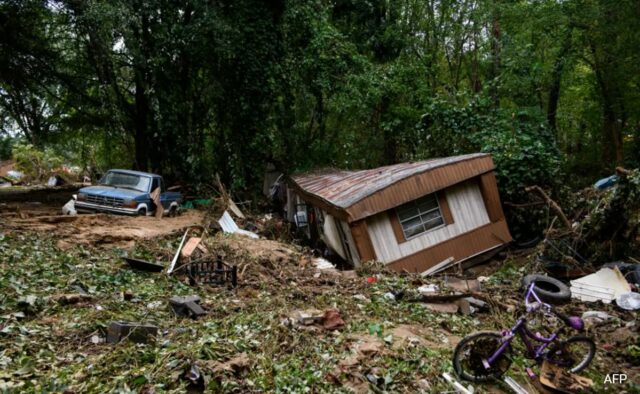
(574, 322)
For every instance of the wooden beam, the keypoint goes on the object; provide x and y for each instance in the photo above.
(491, 197)
(445, 210)
(360, 234)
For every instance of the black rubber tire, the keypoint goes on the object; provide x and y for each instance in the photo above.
(142, 212)
(494, 339)
(549, 289)
(570, 364)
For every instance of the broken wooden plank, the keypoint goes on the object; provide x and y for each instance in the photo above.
(438, 267)
(177, 255)
(190, 246)
(155, 196)
(234, 208)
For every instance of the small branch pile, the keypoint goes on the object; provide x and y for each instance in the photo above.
(604, 225)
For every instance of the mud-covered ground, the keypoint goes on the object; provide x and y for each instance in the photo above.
(249, 340)
(96, 230)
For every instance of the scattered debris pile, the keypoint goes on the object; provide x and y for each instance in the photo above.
(603, 226)
(291, 320)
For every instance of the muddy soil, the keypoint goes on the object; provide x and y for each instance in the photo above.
(100, 230)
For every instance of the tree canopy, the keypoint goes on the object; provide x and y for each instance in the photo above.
(197, 87)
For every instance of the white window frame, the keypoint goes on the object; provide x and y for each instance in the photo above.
(420, 214)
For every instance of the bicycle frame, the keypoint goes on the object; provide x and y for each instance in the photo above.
(520, 328)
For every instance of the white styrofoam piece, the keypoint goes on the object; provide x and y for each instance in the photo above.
(323, 264)
(604, 285)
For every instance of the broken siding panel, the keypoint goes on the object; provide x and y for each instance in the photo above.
(351, 244)
(467, 208)
(332, 236)
(363, 244)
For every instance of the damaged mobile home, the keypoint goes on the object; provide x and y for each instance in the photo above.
(419, 216)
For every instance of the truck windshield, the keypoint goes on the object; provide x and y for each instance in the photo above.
(127, 181)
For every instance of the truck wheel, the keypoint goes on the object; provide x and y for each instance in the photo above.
(142, 212)
(173, 211)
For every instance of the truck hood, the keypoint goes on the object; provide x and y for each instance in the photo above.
(113, 192)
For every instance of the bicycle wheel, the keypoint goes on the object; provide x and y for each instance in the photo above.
(574, 354)
(473, 350)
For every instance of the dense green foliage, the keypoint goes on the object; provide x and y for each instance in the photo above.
(195, 87)
(35, 164)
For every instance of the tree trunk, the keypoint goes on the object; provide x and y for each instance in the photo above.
(556, 79)
(611, 134)
(496, 34)
(613, 113)
(141, 125)
(389, 137)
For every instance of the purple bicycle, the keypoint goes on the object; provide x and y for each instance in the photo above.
(486, 355)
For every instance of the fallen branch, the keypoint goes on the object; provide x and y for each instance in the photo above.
(525, 205)
(552, 204)
(622, 171)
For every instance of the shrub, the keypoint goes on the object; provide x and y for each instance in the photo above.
(36, 165)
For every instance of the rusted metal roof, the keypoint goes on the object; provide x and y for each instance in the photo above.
(353, 195)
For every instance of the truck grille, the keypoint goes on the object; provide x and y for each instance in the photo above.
(106, 201)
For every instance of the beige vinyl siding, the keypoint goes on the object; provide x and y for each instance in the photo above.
(467, 208)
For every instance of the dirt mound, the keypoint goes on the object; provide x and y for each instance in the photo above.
(103, 230)
(262, 259)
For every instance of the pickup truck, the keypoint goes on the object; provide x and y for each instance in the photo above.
(127, 192)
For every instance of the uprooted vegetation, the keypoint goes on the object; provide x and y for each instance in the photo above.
(590, 227)
(247, 341)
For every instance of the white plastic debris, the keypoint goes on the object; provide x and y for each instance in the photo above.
(457, 385)
(629, 301)
(360, 297)
(69, 208)
(323, 264)
(15, 174)
(229, 226)
(428, 289)
(514, 385)
(389, 296)
(593, 317)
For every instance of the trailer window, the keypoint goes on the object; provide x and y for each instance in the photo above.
(420, 216)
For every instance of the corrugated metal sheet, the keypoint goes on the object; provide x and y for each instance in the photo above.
(355, 195)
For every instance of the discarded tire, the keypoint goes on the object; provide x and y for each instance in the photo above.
(549, 289)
